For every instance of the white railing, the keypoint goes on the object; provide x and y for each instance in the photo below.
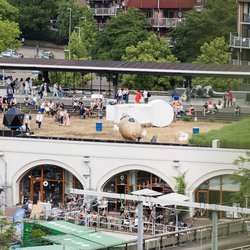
(239, 42)
(101, 26)
(246, 18)
(240, 62)
(165, 22)
(104, 11)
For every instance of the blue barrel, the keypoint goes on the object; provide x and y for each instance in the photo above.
(98, 126)
(100, 116)
(196, 131)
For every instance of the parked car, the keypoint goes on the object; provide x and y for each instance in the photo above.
(209, 92)
(10, 53)
(3, 76)
(183, 93)
(47, 55)
(196, 91)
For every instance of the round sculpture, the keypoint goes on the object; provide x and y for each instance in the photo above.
(129, 128)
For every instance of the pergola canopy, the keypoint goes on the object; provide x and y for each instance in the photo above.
(119, 67)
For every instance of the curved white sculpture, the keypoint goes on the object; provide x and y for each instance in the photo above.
(157, 112)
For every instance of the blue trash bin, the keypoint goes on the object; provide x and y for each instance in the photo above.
(100, 116)
(98, 126)
(196, 131)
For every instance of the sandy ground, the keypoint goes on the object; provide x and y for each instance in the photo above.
(86, 128)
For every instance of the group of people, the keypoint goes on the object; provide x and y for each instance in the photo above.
(7, 102)
(179, 109)
(96, 106)
(145, 95)
(122, 95)
(19, 86)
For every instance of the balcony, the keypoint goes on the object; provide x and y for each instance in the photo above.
(104, 11)
(165, 22)
(246, 18)
(239, 62)
(239, 42)
(101, 26)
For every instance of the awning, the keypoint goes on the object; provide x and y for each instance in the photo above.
(64, 227)
(72, 242)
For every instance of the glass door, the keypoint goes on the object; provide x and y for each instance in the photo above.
(202, 197)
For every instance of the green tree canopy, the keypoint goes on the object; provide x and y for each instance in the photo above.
(34, 16)
(84, 36)
(242, 177)
(9, 35)
(9, 29)
(7, 11)
(216, 52)
(154, 49)
(123, 30)
(219, 18)
(67, 8)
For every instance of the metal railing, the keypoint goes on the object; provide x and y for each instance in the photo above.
(240, 62)
(162, 238)
(239, 42)
(104, 11)
(246, 17)
(165, 22)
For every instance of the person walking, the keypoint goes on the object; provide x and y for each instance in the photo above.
(145, 96)
(39, 119)
(138, 96)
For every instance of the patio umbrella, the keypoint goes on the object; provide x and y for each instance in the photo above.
(146, 192)
(170, 199)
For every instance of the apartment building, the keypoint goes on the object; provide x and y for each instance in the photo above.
(162, 14)
(240, 42)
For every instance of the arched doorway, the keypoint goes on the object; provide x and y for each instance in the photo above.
(128, 181)
(47, 183)
(216, 190)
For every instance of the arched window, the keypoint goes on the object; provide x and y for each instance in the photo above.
(217, 190)
(47, 183)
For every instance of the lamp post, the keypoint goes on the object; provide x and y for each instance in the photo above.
(79, 32)
(86, 160)
(246, 197)
(70, 21)
(67, 50)
(5, 178)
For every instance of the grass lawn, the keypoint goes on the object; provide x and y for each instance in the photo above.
(235, 135)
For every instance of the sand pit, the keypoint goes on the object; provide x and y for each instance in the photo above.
(86, 128)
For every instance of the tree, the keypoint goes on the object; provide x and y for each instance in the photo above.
(7, 11)
(83, 38)
(125, 29)
(7, 238)
(242, 177)
(219, 18)
(68, 9)
(9, 35)
(153, 49)
(181, 184)
(34, 16)
(216, 52)
(9, 29)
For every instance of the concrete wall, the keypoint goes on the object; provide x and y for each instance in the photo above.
(108, 159)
